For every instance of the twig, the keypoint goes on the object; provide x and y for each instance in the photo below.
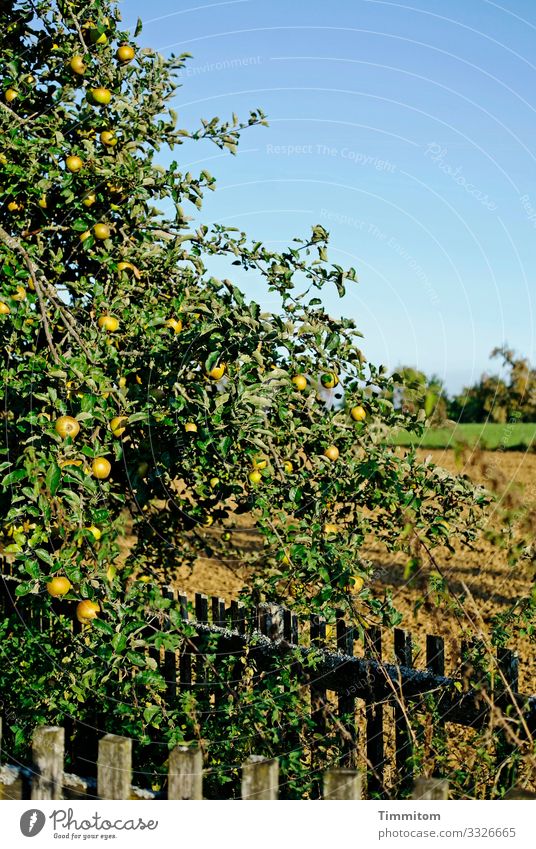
(14, 245)
(11, 113)
(79, 31)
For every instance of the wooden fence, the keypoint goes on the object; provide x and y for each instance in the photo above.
(390, 691)
(46, 778)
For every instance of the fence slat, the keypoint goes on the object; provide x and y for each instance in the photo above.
(218, 620)
(114, 767)
(508, 663)
(403, 739)
(218, 611)
(237, 617)
(435, 654)
(287, 624)
(295, 630)
(374, 719)
(318, 697)
(169, 668)
(264, 619)
(48, 750)
(260, 778)
(507, 679)
(435, 663)
(201, 684)
(201, 607)
(430, 788)
(185, 656)
(342, 784)
(185, 773)
(345, 700)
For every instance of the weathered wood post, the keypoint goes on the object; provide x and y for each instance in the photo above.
(114, 767)
(342, 784)
(519, 793)
(48, 750)
(185, 773)
(260, 778)
(430, 788)
(10, 780)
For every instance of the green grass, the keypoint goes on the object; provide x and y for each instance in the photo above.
(490, 435)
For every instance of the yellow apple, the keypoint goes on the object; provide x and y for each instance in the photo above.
(77, 65)
(101, 95)
(74, 163)
(101, 231)
(66, 426)
(58, 586)
(86, 611)
(101, 468)
(108, 322)
(108, 138)
(358, 413)
(125, 53)
(300, 382)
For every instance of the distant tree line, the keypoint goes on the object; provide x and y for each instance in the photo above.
(499, 397)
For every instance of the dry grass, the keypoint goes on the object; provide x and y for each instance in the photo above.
(492, 583)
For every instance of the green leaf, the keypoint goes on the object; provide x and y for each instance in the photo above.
(72, 571)
(137, 659)
(53, 478)
(224, 445)
(44, 556)
(150, 678)
(150, 712)
(102, 626)
(119, 643)
(13, 477)
(212, 360)
(24, 588)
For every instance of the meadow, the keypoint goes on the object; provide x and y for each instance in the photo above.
(489, 435)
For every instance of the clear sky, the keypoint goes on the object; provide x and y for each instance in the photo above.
(407, 130)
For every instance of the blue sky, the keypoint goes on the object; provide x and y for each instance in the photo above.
(407, 130)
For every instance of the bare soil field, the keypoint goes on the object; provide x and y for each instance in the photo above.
(484, 572)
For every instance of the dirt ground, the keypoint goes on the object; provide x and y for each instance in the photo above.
(492, 584)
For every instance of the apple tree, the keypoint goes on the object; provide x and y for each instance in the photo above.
(141, 391)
